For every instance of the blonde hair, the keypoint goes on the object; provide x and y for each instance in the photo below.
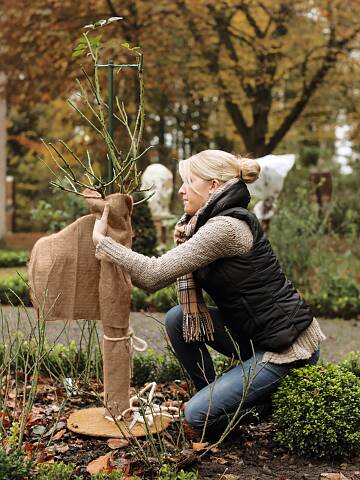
(216, 164)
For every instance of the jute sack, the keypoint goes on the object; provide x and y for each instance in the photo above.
(80, 287)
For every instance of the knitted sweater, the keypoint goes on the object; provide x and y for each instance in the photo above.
(229, 237)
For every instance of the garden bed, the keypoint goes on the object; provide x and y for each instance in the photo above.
(250, 454)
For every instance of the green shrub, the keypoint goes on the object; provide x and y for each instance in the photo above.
(352, 363)
(169, 472)
(12, 258)
(63, 209)
(317, 409)
(56, 471)
(162, 300)
(138, 299)
(13, 465)
(149, 366)
(145, 239)
(19, 289)
(338, 297)
(295, 218)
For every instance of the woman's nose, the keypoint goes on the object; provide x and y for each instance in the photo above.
(182, 190)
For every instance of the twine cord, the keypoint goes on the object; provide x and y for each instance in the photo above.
(141, 344)
(147, 411)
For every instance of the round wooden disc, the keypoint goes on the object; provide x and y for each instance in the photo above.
(92, 422)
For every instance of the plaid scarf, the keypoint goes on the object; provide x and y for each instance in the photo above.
(197, 322)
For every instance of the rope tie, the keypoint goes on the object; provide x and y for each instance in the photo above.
(141, 344)
(147, 411)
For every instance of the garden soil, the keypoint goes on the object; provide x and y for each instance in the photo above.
(249, 454)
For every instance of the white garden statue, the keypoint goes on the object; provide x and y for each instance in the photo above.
(266, 189)
(160, 179)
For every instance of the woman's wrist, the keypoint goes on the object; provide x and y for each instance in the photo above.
(97, 237)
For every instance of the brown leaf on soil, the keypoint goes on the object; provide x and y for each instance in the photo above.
(219, 460)
(62, 448)
(115, 443)
(197, 446)
(101, 464)
(333, 476)
(59, 434)
(230, 476)
(28, 448)
(215, 449)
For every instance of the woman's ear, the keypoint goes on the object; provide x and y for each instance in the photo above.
(214, 184)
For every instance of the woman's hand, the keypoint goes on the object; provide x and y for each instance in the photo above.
(179, 234)
(100, 227)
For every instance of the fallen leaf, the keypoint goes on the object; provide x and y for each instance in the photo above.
(215, 449)
(28, 448)
(333, 476)
(197, 446)
(115, 443)
(219, 460)
(38, 430)
(230, 476)
(62, 448)
(101, 464)
(59, 434)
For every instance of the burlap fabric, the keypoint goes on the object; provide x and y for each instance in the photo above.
(80, 287)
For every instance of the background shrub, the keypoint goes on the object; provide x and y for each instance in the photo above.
(149, 366)
(12, 258)
(162, 300)
(62, 209)
(145, 239)
(324, 266)
(19, 293)
(317, 409)
(352, 363)
(138, 299)
(337, 297)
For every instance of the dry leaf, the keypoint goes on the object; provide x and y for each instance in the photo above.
(230, 476)
(62, 448)
(219, 460)
(101, 464)
(59, 434)
(333, 476)
(215, 449)
(115, 443)
(197, 446)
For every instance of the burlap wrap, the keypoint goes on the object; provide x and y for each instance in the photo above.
(80, 287)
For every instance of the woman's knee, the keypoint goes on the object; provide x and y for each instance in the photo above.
(173, 320)
(194, 415)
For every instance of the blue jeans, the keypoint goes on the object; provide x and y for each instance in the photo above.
(218, 399)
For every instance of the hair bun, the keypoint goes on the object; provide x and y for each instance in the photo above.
(249, 169)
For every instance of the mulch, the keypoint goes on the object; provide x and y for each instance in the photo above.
(250, 453)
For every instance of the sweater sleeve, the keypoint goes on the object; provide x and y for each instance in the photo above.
(219, 237)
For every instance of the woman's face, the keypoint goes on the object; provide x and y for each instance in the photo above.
(195, 194)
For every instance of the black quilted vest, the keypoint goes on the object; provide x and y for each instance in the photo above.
(255, 298)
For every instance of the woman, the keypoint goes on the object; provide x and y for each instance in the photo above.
(259, 316)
